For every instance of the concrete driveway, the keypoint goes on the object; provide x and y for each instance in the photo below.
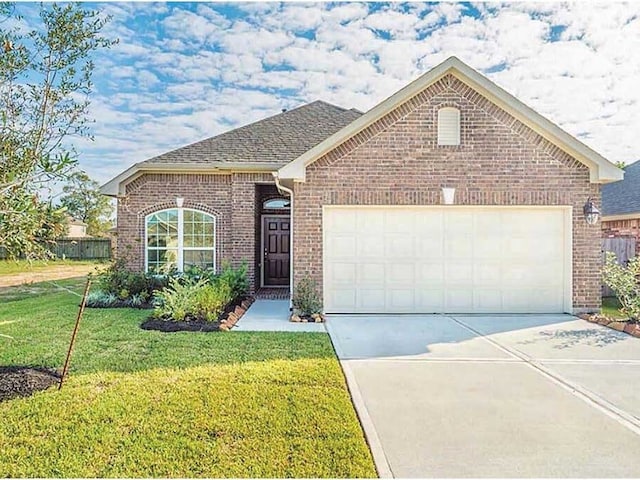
(493, 396)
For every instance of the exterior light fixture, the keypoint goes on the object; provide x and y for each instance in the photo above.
(448, 195)
(591, 212)
(179, 202)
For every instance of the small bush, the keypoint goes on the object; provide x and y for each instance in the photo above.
(306, 300)
(235, 279)
(625, 282)
(100, 299)
(178, 300)
(211, 300)
(125, 284)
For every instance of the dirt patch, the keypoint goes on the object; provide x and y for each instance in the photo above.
(18, 381)
(169, 326)
(57, 272)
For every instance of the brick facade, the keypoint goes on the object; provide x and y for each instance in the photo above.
(231, 198)
(500, 161)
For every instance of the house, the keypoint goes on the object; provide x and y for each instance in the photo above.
(357, 203)
(75, 228)
(621, 206)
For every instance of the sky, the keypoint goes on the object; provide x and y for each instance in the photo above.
(182, 72)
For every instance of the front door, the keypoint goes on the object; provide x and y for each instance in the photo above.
(275, 245)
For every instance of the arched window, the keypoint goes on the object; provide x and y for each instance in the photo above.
(276, 204)
(180, 237)
(448, 126)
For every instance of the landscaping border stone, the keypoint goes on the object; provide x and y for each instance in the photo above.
(627, 326)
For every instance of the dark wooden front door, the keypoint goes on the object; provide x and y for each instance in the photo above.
(275, 262)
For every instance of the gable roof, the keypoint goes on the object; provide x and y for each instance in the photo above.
(265, 145)
(601, 170)
(621, 198)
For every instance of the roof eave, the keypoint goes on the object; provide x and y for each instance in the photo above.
(115, 187)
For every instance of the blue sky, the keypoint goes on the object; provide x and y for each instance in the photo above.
(187, 71)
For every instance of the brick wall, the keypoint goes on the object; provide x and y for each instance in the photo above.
(500, 161)
(229, 197)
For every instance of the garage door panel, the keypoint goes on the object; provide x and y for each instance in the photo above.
(399, 223)
(458, 299)
(429, 300)
(370, 246)
(341, 299)
(458, 221)
(342, 273)
(370, 221)
(458, 272)
(446, 259)
(400, 299)
(371, 299)
(459, 245)
(429, 247)
(399, 246)
(430, 273)
(370, 274)
(343, 246)
(487, 300)
(401, 274)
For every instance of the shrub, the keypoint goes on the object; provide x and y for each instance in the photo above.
(235, 279)
(211, 300)
(100, 299)
(625, 282)
(306, 299)
(179, 299)
(125, 284)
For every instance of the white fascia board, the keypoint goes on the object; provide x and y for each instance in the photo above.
(115, 186)
(601, 170)
(620, 216)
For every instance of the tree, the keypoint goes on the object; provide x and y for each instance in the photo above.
(83, 201)
(45, 82)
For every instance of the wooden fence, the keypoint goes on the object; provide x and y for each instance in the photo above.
(78, 249)
(624, 248)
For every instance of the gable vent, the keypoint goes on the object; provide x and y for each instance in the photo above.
(448, 126)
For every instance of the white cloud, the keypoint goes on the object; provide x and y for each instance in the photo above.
(184, 72)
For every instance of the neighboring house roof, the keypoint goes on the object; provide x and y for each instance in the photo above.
(265, 145)
(601, 170)
(623, 198)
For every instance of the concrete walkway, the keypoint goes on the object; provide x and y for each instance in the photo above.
(493, 396)
(273, 316)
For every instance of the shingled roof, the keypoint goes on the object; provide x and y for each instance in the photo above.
(274, 140)
(623, 197)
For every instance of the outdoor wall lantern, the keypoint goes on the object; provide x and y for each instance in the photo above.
(448, 195)
(591, 213)
(179, 202)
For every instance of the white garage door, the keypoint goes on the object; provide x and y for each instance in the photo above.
(446, 259)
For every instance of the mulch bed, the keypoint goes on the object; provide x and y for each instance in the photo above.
(24, 381)
(225, 322)
(627, 326)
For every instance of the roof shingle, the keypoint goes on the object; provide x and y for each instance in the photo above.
(623, 197)
(275, 140)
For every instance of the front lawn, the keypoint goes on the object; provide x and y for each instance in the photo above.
(148, 404)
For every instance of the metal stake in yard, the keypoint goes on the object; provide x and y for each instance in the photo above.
(75, 331)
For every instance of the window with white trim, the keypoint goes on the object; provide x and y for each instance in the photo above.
(179, 238)
(448, 126)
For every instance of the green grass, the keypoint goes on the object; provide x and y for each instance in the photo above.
(611, 308)
(11, 267)
(149, 404)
